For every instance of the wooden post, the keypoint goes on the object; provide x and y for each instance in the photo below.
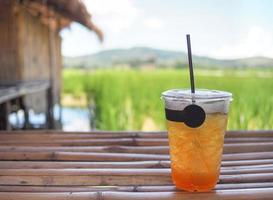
(4, 116)
(26, 114)
(15, 108)
(49, 113)
(52, 61)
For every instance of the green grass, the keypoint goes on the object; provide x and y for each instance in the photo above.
(125, 99)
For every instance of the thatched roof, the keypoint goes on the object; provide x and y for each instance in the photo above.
(70, 10)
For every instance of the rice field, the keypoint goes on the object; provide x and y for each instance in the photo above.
(130, 99)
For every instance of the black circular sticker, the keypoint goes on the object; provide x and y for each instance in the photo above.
(194, 116)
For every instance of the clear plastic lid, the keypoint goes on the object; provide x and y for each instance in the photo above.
(199, 94)
(211, 101)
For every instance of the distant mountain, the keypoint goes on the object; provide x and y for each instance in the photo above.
(137, 56)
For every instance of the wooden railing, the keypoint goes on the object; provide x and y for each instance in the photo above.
(11, 95)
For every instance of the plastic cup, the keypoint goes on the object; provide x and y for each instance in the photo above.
(196, 153)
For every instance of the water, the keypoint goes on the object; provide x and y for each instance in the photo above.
(73, 119)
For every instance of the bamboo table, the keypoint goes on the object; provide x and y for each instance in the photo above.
(47, 165)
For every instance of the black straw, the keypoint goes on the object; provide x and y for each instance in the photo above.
(190, 63)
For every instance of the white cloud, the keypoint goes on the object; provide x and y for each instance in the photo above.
(113, 15)
(153, 23)
(256, 42)
(127, 23)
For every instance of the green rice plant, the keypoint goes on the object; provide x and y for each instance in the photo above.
(129, 99)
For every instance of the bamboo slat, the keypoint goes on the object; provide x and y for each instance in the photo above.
(80, 156)
(248, 147)
(79, 165)
(157, 188)
(85, 172)
(238, 194)
(228, 148)
(120, 172)
(249, 133)
(86, 180)
(122, 165)
(100, 149)
(90, 142)
(34, 134)
(247, 162)
(248, 156)
(91, 156)
(117, 134)
(117, 141)
(123, 177)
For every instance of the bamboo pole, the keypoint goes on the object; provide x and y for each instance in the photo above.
(24, 188)
(122, 165)
(95, 156)
(248, 166)
(228, 148)
(122, 134)
(248, 147)
(153, 188)
(238, 194)
(116, 177)
(111, 141)
(77, 165)
(72, 142)
(246, 178)
(117, 180)
(252, 170)
(50, 196)
(246, 162)
(80, 156)
(248, 156)
(249, 133)
(85, 172)
(100, 149)
(92, 134)
(248, 139)
(89, 142)
(122, 172)
(86, 180)
(116, 141)
(70, 139)
(228, 186)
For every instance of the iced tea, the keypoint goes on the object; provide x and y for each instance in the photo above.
(196, 152)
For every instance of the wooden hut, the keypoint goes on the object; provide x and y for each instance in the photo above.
(30, 55)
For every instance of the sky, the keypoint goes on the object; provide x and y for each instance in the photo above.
(223, 29)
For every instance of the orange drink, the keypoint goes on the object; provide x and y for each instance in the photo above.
(196, 151)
